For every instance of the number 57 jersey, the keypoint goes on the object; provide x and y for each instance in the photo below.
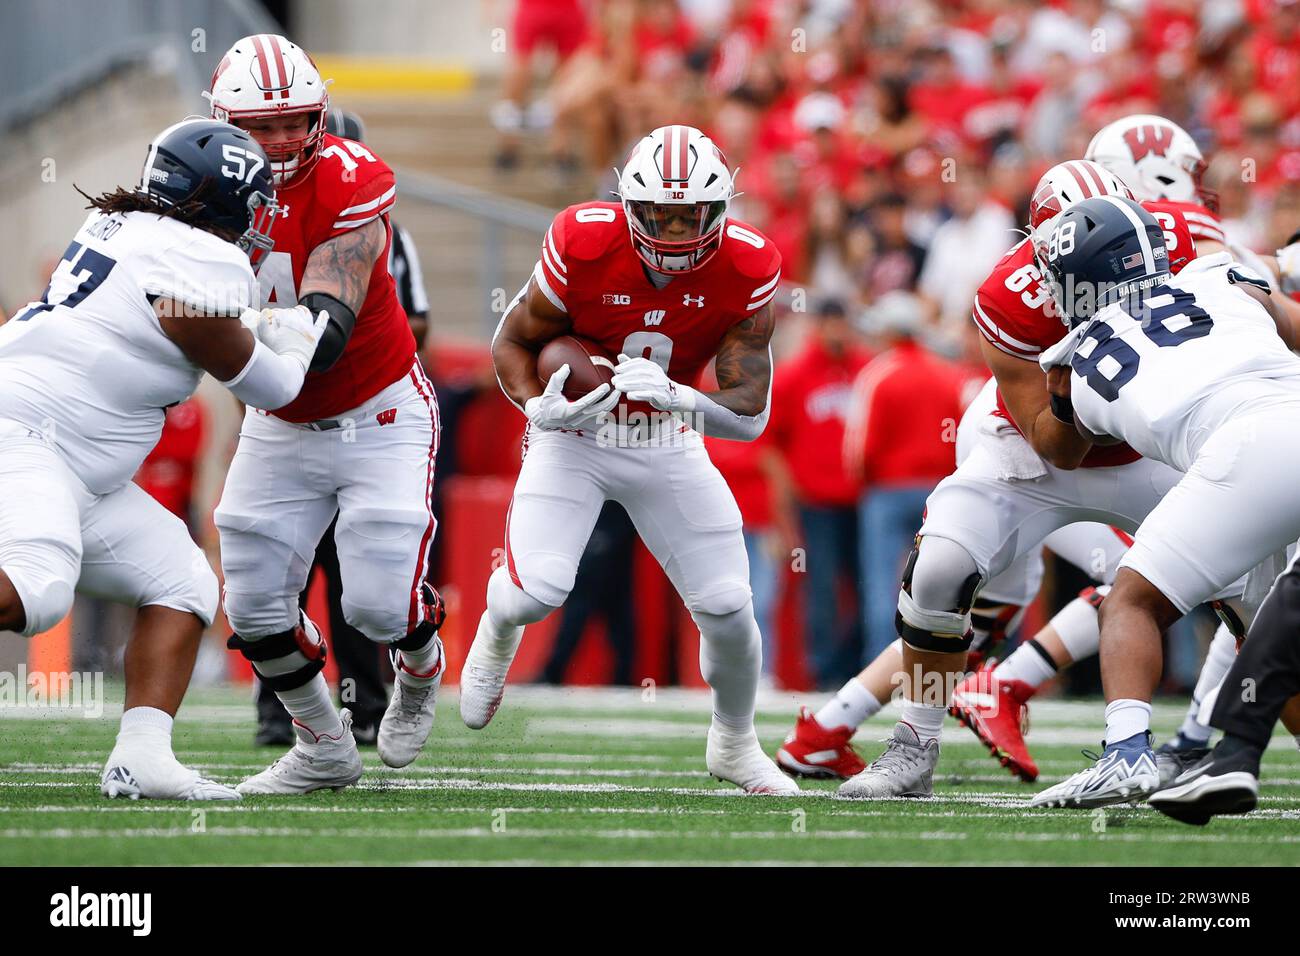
(1196, 353)
(589, 269)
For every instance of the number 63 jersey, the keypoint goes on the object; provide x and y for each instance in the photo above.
(589, 269)
(1165, 373)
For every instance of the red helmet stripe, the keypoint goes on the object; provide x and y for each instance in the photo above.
(1092, 174)
(666, 161)
(682, 155)
(1078, 178)
(279, 65)
(263, 62)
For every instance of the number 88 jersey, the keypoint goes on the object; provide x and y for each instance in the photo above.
(1165, 373)
(1013, 310)
(589, 269)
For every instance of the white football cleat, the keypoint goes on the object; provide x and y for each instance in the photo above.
(409, 718)
(313, 764)
(137, 769)
(738, 759)
(483, 682)
(1124, 772)
(905, 769)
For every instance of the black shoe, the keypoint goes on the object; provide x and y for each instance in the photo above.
(1226, 781)
(274, 733)
(1173, 757)
(366, 734)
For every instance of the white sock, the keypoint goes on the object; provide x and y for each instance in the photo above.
(925, 719)
(1222, 653)
(146, 722)
(311, 706)
(731, 656)
(422, 667)
(1026, 664)
(1076, 625)
(849, 708)
(497, 643)
(1126, 717)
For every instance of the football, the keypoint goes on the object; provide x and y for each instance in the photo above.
(590, 366)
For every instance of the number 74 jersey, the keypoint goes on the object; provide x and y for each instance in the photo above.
(1165, 373)
(589, 269)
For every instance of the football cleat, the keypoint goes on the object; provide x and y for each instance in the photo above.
(1175, 756)
(1225, 781)
(810, 750)
(905, 769)
(482, 684)
(997, 712)
(409, 718)
(135, 769)
(738, 759)
(314, 763)
(1125, 772)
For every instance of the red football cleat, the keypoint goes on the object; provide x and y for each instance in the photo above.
(998, 713)
(810, 750)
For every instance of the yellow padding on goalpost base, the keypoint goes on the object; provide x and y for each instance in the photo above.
(355, 74)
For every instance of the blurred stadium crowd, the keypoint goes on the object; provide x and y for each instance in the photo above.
(888, 148)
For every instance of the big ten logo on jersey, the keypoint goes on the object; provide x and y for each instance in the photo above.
(615, 298)
(350, 164)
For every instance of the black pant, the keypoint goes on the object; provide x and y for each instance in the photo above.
(601, 586)
(361, 682)
(1266, 673)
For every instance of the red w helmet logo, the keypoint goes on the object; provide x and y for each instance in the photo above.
(1143, 141)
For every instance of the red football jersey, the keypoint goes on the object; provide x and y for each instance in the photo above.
(348, 187)
(590, 270)
(1012, 310)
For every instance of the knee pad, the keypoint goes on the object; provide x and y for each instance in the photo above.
(724, 597)
(546, 577)
(286, 660)
(511, 606)
(992, 622)
(940, 583)
(46, 600)
(729, 627)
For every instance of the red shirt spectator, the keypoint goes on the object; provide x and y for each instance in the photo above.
(168, 472)
(903, 420)
(810, 400)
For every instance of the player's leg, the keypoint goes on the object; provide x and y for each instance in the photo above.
(384, 530)
(557, 499)
(277, 502)
(1234, 507)
(689, 520)
(139, 554)
(40, 534)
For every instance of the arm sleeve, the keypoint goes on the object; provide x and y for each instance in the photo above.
(269, 381)
(709, 418)
(206, 274)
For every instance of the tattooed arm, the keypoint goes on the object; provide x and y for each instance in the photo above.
(336, 280)
(738, 409)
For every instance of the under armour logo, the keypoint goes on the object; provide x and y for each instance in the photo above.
(387, 416)
(697, 300)
(654, 316)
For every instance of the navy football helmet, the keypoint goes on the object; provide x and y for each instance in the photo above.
(221, 167)
(1100, 251)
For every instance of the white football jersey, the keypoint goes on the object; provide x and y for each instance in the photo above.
(1208, 352)
(88, 365)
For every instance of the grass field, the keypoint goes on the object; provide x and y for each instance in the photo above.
(595, 777)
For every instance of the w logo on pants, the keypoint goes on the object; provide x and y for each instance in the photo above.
(387, 416)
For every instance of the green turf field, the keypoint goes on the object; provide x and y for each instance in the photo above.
(595, 777)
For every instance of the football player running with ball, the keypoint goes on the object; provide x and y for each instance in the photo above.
(148, 296)
(666, 282)
(360, 439)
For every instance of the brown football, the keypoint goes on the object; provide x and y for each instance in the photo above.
(590, 366)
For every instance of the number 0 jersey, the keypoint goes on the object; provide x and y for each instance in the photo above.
(88, 366)
(590, 270)
(1013, 309)
(1205, 352)
(347, 188)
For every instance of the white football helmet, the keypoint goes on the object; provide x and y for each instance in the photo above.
(676, 190)
(263, 76)
(1060, 188)
(1155, 156)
